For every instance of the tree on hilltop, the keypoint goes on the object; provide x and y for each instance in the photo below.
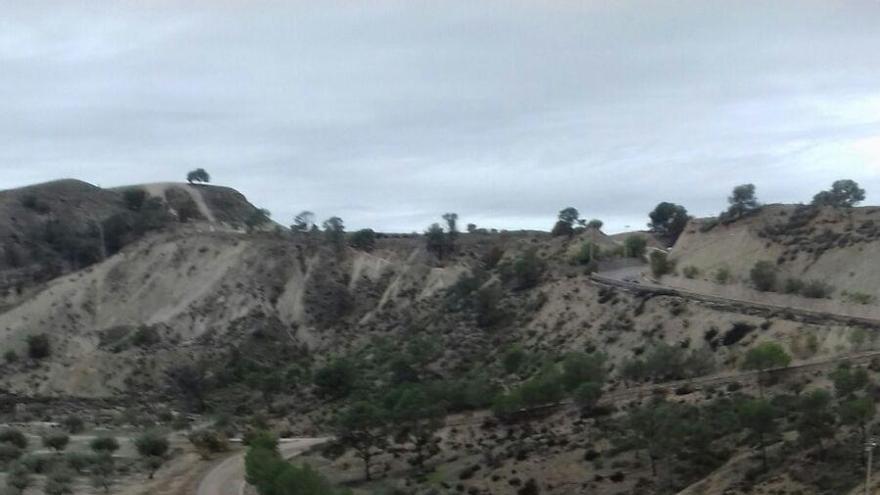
(198, 175)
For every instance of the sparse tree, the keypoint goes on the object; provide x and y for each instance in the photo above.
(859, 413)
(471, 228)
(334, 231)
(363, 427)
(668, 220)
(303, 222)
(759, 416)
(191, 380)
(848, 380)
(742, 201)
(816, 422)
(257, 218)
(435, 240)
(418, 417)
(198, 175)
(595, 224)
(451, 220)
(565, 222)
(153, 448)
(764, 357)
(844, 193)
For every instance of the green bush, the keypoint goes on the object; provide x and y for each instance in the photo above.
(723, 275)
(9, 453)
(208, 442)
(634, 246)
(338, 379)
(661, 264)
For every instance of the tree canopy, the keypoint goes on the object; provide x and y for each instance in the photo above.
(198, 175)
(668, 220)
(844, 193)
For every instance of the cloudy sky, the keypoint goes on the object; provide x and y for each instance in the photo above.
(390, 113)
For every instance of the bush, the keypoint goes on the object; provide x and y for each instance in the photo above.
(104, 445)
(527, 270)
(723, 275)
(134, 198)
(858, 297)
(513, 359)
(816, 289)
(587, 395)
(146, 337)
(9, 453)
(152, 447)
(763, 276)
(74, 424)
(209, 442)
(14, 437)
(793, 286)
(660, 264)
(39, 346)
(337, 379)
(10, 356)
(634, 246)
(364, 239)
(588, 253)
(690, 272)
(56, 441)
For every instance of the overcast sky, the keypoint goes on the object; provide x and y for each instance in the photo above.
(390, 113)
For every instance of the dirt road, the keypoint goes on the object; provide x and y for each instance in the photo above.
(228, 477)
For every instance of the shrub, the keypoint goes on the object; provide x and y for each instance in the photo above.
(134, 198)
(513, 359)
(198, 175)
(10, 356)
(588, 253)
(763, 276)
(634, 246)
(690, 272)
(527, 270)
(104, 445)
(39, 346)
(660, 264)
(364, 239)
(74, 424)
(146, 337)
(14, 437)
(587, 395)
(152, 447)
(858, 297)
(723, 275)
(337, 379)
(816, 289)
(208, 442)
(793, 286)
(9, 453)
(56, 441)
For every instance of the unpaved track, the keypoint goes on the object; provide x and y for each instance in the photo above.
(228, 477)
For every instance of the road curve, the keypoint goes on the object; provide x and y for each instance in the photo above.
(227, 478)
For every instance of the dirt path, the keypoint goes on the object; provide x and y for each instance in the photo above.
(227, 478)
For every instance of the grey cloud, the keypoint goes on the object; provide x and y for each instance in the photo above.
(390, 113)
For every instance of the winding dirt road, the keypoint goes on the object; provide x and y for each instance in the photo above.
(227, 478)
